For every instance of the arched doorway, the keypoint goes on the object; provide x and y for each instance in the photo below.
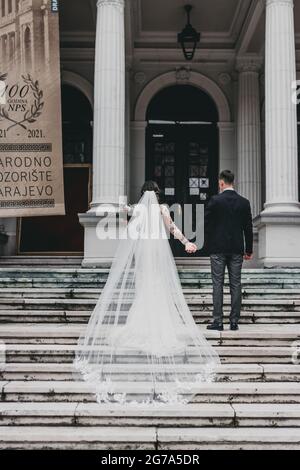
(182, 147)
(64, 234)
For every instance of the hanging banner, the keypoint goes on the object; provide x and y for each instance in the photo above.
(31, 162)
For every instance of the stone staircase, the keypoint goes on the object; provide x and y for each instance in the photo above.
(254, 404)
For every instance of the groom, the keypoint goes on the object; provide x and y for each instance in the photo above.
(229, 240)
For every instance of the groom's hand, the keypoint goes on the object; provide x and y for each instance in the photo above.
(248, 257)
(191, 248)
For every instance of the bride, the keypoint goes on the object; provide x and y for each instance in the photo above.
(141, 345)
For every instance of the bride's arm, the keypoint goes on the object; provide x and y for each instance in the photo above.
(171, 226)
(129, 208)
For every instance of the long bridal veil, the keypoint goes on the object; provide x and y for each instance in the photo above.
(141, 344)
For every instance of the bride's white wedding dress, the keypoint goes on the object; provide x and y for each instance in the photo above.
(141, 345)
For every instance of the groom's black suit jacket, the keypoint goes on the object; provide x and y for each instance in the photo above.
(228, 224)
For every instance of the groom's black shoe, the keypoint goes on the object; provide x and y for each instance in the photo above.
(234, 326)
(215, 326)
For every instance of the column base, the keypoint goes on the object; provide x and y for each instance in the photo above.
(8, 236)
(255, 262)
(99, 252)
(279, 235)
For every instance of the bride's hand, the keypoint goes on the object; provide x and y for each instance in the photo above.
(126, 207)
(191, 248)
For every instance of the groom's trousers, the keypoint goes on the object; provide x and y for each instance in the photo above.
(234, 264)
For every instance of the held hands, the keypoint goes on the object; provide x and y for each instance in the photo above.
(248, 257)
(191, 248)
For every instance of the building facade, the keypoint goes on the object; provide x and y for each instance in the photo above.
(134, 108)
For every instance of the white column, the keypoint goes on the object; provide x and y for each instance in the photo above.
(281, 112)
(109, 107)
(279, 223)
(109, 134)
(249, 133)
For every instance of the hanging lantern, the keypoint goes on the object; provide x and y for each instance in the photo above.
(189, 37)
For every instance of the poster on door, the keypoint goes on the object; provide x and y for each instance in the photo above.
(31, 162)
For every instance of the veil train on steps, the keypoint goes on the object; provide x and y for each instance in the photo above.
(142, 345)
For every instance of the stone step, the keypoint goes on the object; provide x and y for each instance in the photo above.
(228, 439)
(58, 333)
(291, 305)
(96, 275)
(147, 438)
(31, 267)
(216, 392)
(65, 353)
(29, 261)
(190, 415)
(253, 404)
(190, 294)
(93, 414)
(250, 315)
(242, 372)
(205, 286)
(195, 274)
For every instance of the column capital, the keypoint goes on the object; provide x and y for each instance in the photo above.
(118, 3)
(280, 2)
(249, 64)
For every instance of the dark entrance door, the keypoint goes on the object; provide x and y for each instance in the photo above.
(182, 154)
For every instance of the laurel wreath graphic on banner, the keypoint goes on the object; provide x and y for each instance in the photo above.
(31, 114)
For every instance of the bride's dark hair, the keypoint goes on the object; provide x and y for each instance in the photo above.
(151, 186)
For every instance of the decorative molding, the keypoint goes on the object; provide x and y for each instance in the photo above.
(224, 78)
(117, 3)
(254, 15)
(239, 18)
(249, 64)
(220, 57)
(280, 2)
(76, 55)
(140, 78)
(82, 37)
(183, 74)
(209, 39)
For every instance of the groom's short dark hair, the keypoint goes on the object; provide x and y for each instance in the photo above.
(227, 176)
